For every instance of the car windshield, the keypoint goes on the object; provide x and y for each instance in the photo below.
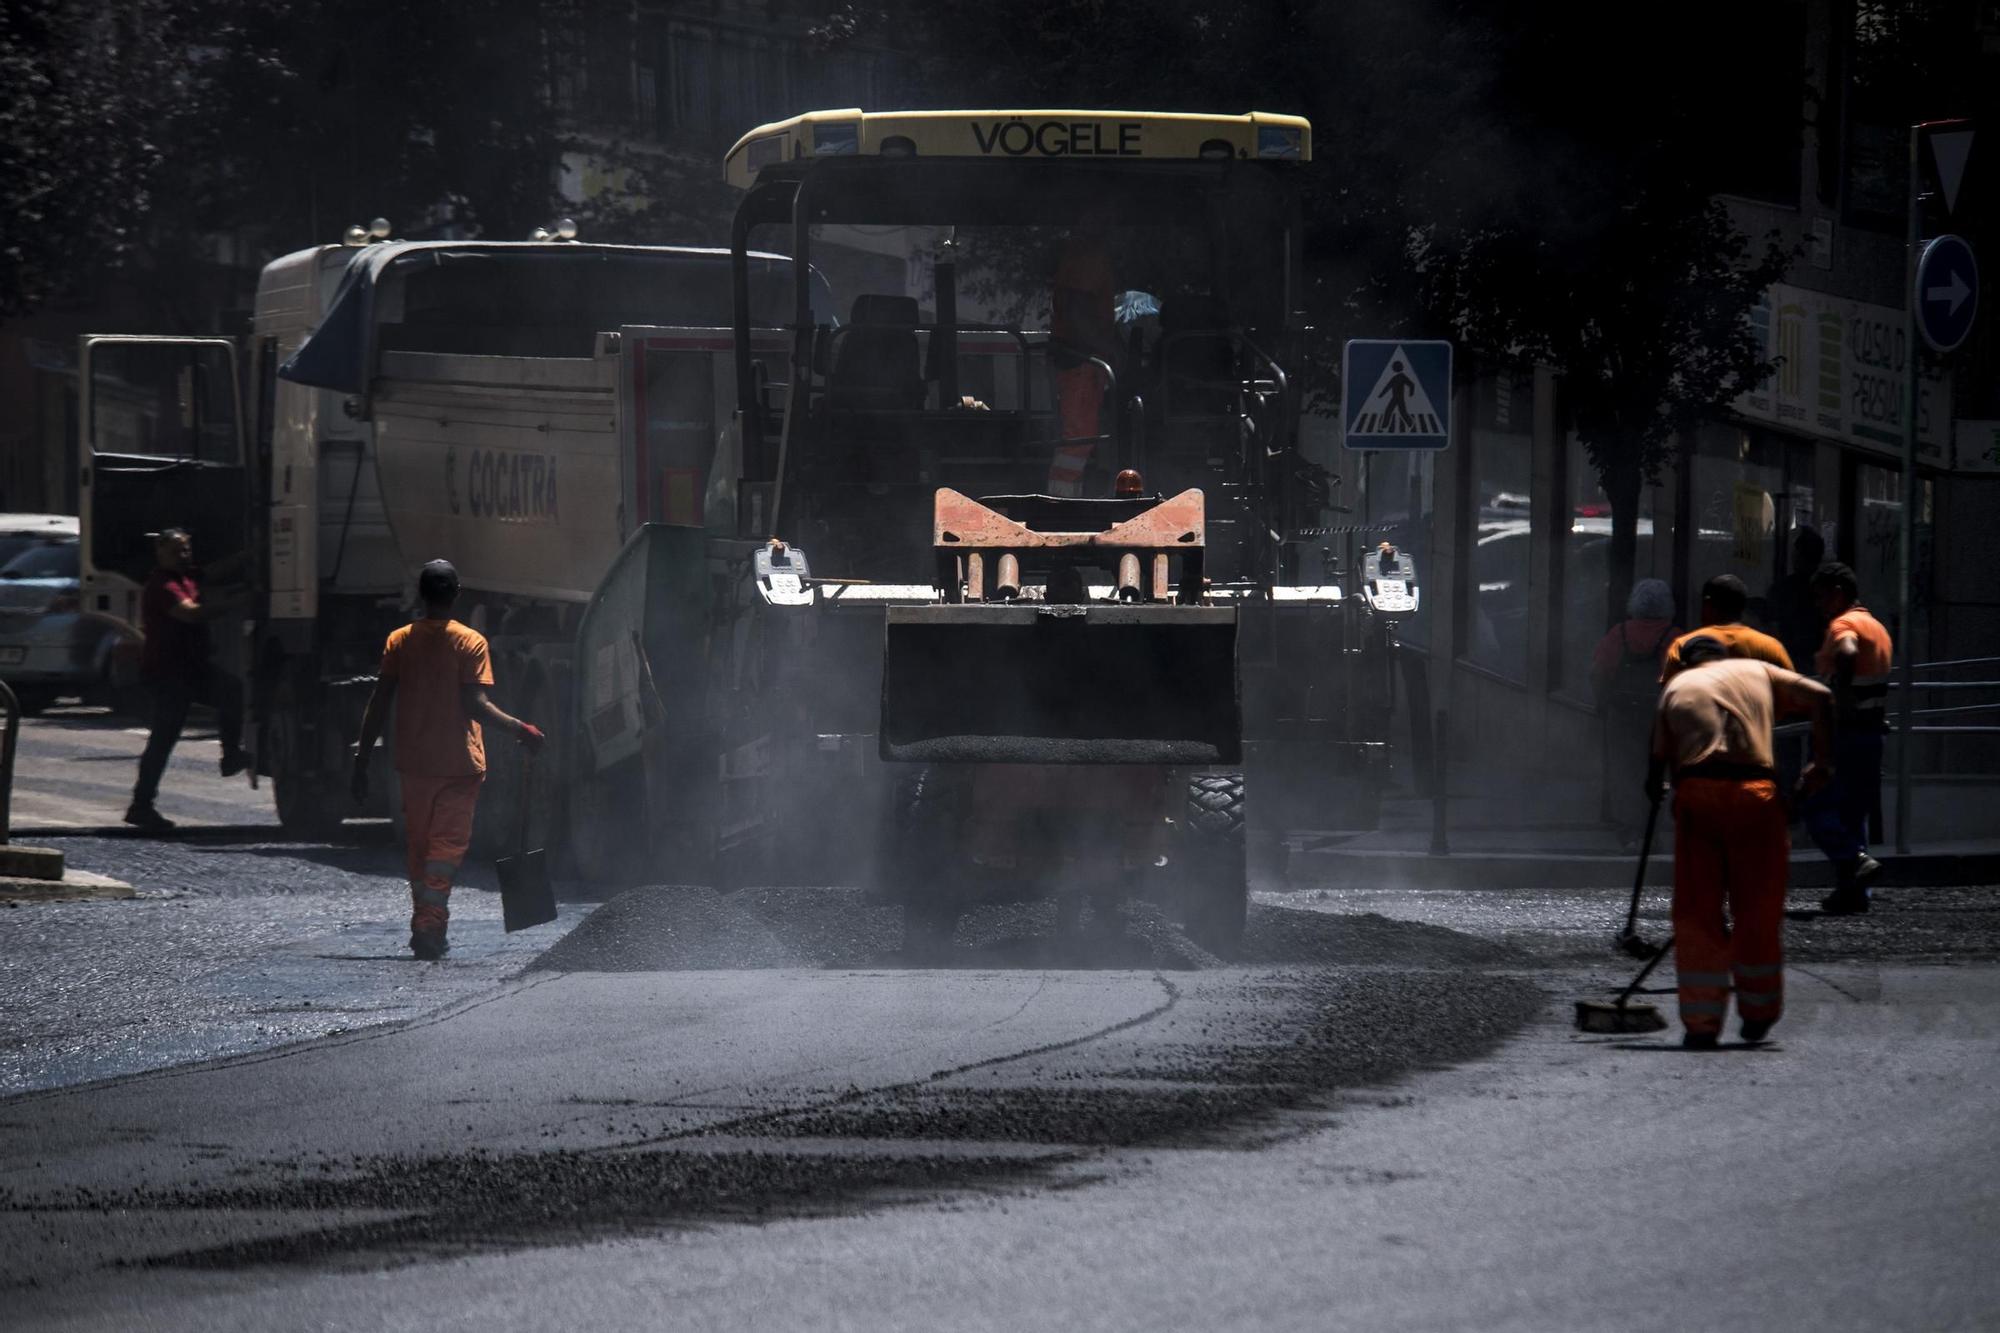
(43, 560)
(13, 543)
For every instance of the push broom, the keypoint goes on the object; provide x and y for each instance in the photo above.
(1621, 1015)
(1627, 940)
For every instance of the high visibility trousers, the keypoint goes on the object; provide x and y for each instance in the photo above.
(1732, 854)
(437, 813)
(1079, 405)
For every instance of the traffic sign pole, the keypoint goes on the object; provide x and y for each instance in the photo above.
(1906, 535)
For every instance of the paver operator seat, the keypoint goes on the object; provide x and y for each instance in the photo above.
(876, 366)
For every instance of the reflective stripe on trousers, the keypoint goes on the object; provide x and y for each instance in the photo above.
(1731, 859)
(438, 815)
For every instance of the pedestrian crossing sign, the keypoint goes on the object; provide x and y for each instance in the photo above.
(1396, 393)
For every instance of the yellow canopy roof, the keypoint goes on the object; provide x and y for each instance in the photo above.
(1099, 135)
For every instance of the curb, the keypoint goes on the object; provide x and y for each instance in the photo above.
(74, 886)
(1529, 870)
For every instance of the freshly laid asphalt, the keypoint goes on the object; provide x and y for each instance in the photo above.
(489, 1126)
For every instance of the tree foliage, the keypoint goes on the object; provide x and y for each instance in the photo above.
(156, 126)
(83, 89)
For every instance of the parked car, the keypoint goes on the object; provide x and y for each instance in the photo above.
(49, 647)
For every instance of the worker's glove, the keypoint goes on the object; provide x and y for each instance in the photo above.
(1655, 784)
(531, 735)
(358, 784)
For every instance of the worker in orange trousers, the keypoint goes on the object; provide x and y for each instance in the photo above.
(1732, 843)
(436, 673)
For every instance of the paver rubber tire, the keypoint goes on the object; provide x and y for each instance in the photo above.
(309, 806)
(921, 859)
(1214, 874)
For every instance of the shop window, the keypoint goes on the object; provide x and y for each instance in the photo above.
(1878, 517)
(1752, 492)
(1495, 632)
(1586, 611)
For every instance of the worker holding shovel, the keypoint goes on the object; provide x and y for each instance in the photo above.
(440, 671)
(1732, 846)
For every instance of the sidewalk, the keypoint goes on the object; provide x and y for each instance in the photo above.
(1551, 839)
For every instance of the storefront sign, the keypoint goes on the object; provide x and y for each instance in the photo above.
(1842, 368)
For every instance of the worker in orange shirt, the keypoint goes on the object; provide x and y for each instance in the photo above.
(1732, 844)
(1083, 323)
(436, 672)
(1722, 601)
(1854, 659)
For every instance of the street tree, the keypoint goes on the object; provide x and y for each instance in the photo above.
(305, 116)
(83, 90)
(1647, 326)
(184, 138)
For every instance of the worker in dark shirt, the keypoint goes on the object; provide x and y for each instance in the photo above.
(174, 616)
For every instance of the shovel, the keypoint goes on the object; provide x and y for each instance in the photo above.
(525, 897)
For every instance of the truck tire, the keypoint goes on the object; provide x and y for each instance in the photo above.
(309, 805)
(1214, 878)
(921, 861)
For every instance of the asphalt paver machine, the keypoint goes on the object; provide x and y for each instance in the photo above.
(881, 639)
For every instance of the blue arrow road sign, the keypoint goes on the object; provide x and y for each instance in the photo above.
(1947, 295)
(1396, 393)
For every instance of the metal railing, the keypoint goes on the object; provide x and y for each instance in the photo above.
(1906, 726)
(1902, 722)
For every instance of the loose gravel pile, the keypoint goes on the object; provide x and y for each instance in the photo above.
(689, 928)
(670, 928)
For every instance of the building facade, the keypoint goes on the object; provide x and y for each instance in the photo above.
(1513, 531)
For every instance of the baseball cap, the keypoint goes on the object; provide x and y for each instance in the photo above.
(437, 580)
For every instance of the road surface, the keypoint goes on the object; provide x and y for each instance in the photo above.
(744, 1111)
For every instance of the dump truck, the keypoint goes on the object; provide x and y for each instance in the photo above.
(504, 405)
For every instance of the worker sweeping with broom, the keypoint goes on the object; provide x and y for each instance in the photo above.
(1732, 846)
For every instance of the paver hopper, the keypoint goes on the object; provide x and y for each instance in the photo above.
(1026, 663)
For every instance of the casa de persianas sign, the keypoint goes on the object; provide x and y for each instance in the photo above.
(1842, 368)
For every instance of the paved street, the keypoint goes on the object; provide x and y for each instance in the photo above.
(77, 766)
(694, 1109)
(238, 940)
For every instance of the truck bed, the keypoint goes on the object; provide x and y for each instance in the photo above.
(509, 467)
